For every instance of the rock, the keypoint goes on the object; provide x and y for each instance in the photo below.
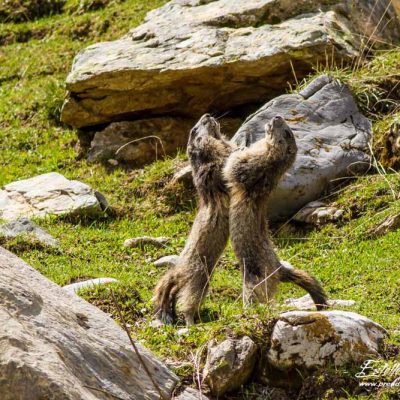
(390, 224)
(191, 394)
(156, 323)
(182, 331)
(47, 194)
(148, 140)
(193, 56)
(58, 346)
(229, 364)
(74, 287)
(306, 303)
(146, 240)
(332, 138)
(167, 261)
(25, 227)
(304, 340)
(318, 213)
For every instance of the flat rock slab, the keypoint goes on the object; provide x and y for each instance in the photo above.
(58, 346)
(306, 340)
(49, 194)
(25, 227)
(193, 56)
(332, 138)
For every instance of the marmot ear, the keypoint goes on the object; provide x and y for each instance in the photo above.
(288, 134)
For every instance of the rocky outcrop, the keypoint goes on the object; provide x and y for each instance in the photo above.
(57, 346)
(46, 194)
(229, 364)
(193, 56)
(26, 228)
(332, 138)
(307, 340)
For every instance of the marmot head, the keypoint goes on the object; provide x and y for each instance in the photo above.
(204, 140)
(278, 133)
(206, 126)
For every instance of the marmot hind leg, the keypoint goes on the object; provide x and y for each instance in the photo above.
(257, 289)
(164, 298)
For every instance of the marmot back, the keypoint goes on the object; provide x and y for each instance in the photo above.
(252, 174)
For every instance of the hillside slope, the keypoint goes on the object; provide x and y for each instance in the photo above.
(35, 57)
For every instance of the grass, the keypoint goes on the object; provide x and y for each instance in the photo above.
(35, 58)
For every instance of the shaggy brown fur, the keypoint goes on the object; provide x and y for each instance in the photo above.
(187, 282)
(251, 175)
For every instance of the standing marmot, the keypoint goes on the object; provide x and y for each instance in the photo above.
(187, 282)
(251, 175)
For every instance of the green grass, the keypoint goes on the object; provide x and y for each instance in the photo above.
(35, 58)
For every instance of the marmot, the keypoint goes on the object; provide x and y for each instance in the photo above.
(251, 175)
(186, 283)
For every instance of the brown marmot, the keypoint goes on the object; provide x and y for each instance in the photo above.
(251, 175)
(186, 284)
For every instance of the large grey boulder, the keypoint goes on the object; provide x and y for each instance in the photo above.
(46, 194)
(305, 340)
(332, 138)
(193, 56)
(57, 346)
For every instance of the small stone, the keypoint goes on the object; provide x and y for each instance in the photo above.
(166, 261)
(146, 240)
(318, 213)
(74, 287)
(390, 224)
(306, 303)
(229, 364)
(26, 227)
(182, 331)
(191, 394)
(113, 162)
(156, 323)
